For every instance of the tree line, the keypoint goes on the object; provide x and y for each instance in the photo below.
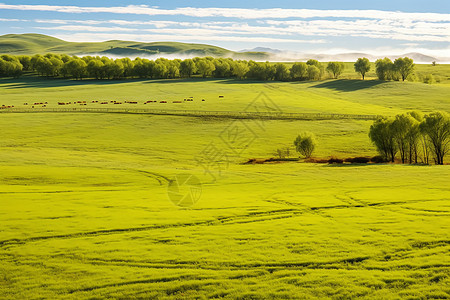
(62, 65)
(412, 137)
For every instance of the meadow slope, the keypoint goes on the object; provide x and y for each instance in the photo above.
(86, 212)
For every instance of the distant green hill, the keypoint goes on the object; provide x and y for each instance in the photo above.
(32, 43)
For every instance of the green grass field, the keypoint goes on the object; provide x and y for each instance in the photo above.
(86, 212)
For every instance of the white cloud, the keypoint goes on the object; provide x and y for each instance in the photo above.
(240, 13)
(377, 29)
(11, 20)
(95, 37)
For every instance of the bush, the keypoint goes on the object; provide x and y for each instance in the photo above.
(335, 160)
(305, 143)
(358, 160)
(378, 159)
(429, 79)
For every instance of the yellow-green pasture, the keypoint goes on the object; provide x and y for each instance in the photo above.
(86, 213)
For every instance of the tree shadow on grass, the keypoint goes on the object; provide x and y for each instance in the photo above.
(346, 165)
(42, 82)
(347, 85)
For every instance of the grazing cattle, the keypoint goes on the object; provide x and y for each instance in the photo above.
(177, 101)
(104, 103)
(162, 101)
(203, 99)
(61, 103)
(220, 96)
(25, 104)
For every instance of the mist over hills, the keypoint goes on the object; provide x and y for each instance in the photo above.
(281, 55)
(32, 43)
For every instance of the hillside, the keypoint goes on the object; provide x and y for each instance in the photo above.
(31, 43)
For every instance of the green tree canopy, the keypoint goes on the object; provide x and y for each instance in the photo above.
(335, 68)
(404, 66)
(305, 143)
(362, 66)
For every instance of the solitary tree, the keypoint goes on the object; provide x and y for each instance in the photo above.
(335, 68)
(305, 143)
(362, 66)
(436, 126)
(404, 66)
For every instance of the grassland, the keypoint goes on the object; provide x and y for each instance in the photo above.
(86, 214)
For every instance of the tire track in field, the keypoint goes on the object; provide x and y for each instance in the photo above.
(124, 283)
(274, 214)
(236, 266)
(160, 178)
(237, 219)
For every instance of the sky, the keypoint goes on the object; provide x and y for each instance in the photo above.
(329, 27)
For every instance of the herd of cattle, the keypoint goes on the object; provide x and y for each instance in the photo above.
(44, 104)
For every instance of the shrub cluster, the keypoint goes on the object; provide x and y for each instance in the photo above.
(412, 137)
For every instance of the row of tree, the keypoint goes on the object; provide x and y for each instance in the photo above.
(412, 137)
(56, 65)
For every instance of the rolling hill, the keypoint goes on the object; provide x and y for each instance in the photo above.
(31, 43)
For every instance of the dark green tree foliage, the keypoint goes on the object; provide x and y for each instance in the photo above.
(381, 135)
(316, 63)
(362, 66)
(406, 132)
(52, 65)
(313, 72)
(335, 68)
(222, 68)
(187, 68)
(261, 71)
(385, 69)
(299, 70)
(305, 143)
(76, 68)
(95, 68)
(239, 69)
(10, 66)
(205, 67)
(404, 66)
(281, 72)
(400, 129)
(436, 126)
(25, 61)
(128, 67)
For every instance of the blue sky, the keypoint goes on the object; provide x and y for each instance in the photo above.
(377, 27)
